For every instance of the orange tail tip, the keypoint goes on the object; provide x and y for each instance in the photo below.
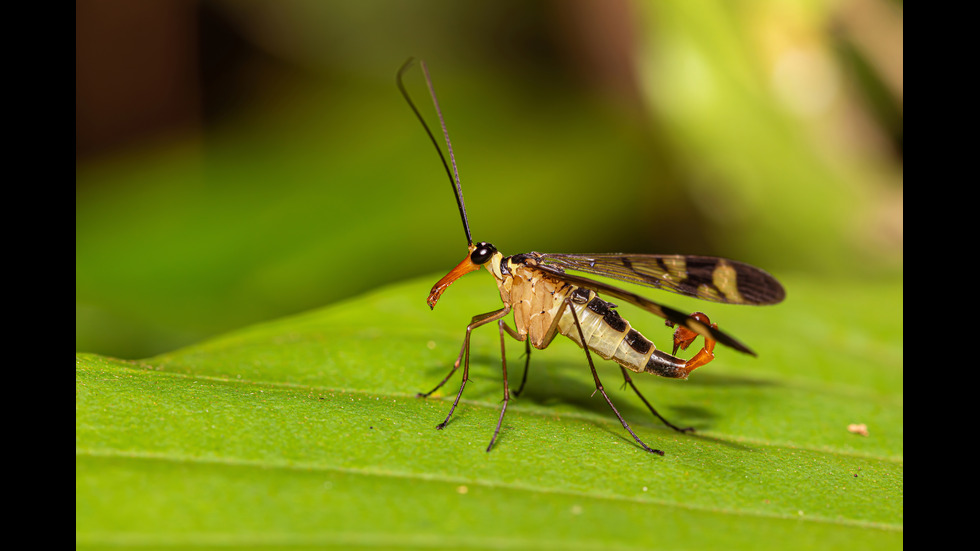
(683, 337)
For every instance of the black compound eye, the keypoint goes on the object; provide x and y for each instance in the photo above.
(482, 253)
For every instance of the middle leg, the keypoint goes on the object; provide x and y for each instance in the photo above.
(598, 383)
(527, 354)
(503, 364)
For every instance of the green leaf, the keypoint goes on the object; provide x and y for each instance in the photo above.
(306, 432)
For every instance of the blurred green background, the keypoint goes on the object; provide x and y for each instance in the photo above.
(238, 161)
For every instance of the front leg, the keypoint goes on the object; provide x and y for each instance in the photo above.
(477, 321)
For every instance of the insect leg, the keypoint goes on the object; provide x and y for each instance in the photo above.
(503, 364)
(442, 382)
(527, 355)
(629, 381)
(598, 384)
(477, 321)
(462, 350)
(527, 362)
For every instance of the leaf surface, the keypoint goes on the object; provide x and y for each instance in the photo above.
(306, 431)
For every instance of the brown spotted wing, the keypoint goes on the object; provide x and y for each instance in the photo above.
(704, 277)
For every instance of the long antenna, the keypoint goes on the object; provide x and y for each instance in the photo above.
(454, 174)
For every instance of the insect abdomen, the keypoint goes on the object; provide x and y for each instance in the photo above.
(610, 336)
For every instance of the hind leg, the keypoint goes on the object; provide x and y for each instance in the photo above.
(599, 387)
(671, 366)
(629, 381)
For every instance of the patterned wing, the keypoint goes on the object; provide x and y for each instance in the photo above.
(704, 277)
(676, 317)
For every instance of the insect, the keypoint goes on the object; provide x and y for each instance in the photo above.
(547, 301)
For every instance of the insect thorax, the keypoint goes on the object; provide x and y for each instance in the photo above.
(536, 297)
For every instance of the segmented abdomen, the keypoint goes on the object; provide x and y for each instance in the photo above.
(610, 336)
